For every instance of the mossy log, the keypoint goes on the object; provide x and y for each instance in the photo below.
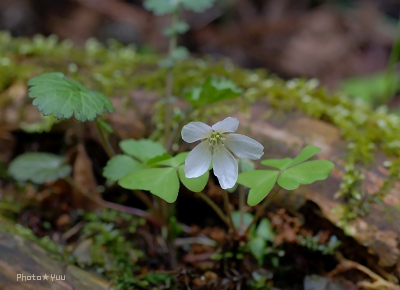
(24, 265)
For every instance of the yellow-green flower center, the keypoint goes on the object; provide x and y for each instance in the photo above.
(215, 139)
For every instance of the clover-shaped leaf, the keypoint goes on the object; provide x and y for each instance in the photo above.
(63, 97)
(305, 173)
(291, 174)
(39, 167)
(120, 165)
(164, 182)
(260, 183)
(143, 149)
(213, 90)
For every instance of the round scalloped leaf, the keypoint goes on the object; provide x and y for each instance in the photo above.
(260, 183)
(143, 149)
(119, 166)
(162, 182)
(39, 167)
(305, 173)
(53, 93)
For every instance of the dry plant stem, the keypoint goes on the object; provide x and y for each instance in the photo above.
(104, 140)
(214, 206)
(169, 84)
(115, 206)
(228, 210)
(261, 209)
(344, 265)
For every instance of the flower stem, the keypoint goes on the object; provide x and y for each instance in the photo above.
(242, 205)
(103, 139)
(228, 210)
(170, 81)
(261, 209)
(115, 206)
(214, 206)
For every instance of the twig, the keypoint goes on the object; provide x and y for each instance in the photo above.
(118, 207)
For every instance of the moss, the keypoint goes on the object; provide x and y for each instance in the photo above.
(117, 70)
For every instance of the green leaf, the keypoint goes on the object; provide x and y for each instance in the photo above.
(179, 27)
(306, 153)
(179, 53)
(162, 182)
(142, 149)
(63, 97)
(257, 247)
(213, 90)
(120, 165)
(194, 184)
(260, 183)
(161, 7)
(175, 161)
(247, 218)
(372, 89)
(264, 230)
(197, 6)
(245, 165)
(156, 160)
(305, 173)
(39, 167)
(277, 163)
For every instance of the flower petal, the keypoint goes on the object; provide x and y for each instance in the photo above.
(227, 125)
(198, 160)
(225, 167)
(195, 131)
(243, 146)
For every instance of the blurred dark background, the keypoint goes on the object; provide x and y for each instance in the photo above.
(328, 40)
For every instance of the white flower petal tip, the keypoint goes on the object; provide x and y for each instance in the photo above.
(195, 131)
(225, 168)
(228, 125)
(244, 147)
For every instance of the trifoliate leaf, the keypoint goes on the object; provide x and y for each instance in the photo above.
(120, 165)
(260, 183)
(39, 167)
(306, 153)
(156, 160)
(197, 6)
(63, 97)
(162, 182)
(194, 184)
(277, 163)
(142, 149)
(305, 173)
(175, 161)
(213, 90)
(161, 7)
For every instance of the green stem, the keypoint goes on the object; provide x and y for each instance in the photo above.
(228, 210)
(115, 206)
(170, 81)
(261, 209)
(242, 205)
(214, 206)
(104, 139)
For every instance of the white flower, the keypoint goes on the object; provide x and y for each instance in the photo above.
(213, 148)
